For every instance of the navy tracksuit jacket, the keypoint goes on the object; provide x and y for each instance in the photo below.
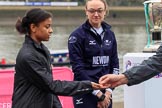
(92, 57)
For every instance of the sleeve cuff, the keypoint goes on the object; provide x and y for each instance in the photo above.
(95, 92)
(108, 89)
(115, 71)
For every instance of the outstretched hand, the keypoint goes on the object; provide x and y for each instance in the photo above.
(112, 80)
(96, 86)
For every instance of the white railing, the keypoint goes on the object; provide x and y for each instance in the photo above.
(19, 3)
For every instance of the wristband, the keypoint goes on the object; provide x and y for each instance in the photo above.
(101, 98)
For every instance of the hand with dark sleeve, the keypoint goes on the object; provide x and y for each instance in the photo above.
(41, 78)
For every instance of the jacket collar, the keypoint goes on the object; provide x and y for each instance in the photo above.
(28, 39)
(88, 26)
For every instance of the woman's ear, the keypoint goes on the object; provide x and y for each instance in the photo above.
(33, 28)
(85, 9)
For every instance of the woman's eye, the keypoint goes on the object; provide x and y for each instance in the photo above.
(48, 26)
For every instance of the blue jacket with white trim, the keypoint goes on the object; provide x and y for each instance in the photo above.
(90, 56)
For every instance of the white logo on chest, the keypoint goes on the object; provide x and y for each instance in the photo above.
(107, 42)
(92, 42)
(79, 101)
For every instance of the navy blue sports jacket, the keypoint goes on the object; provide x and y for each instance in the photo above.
(92, 57)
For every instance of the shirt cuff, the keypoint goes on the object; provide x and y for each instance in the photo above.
(108, 89)
(95, 92)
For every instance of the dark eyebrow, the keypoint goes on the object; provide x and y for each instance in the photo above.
(48, 25)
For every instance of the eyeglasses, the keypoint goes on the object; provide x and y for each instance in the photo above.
(92, 11)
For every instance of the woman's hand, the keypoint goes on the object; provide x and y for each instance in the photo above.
(97, 86)
(104, 103)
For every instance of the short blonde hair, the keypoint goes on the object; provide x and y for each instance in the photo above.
(103, 1)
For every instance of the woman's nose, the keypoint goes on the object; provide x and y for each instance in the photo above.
(51, 30)
(96, 13)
